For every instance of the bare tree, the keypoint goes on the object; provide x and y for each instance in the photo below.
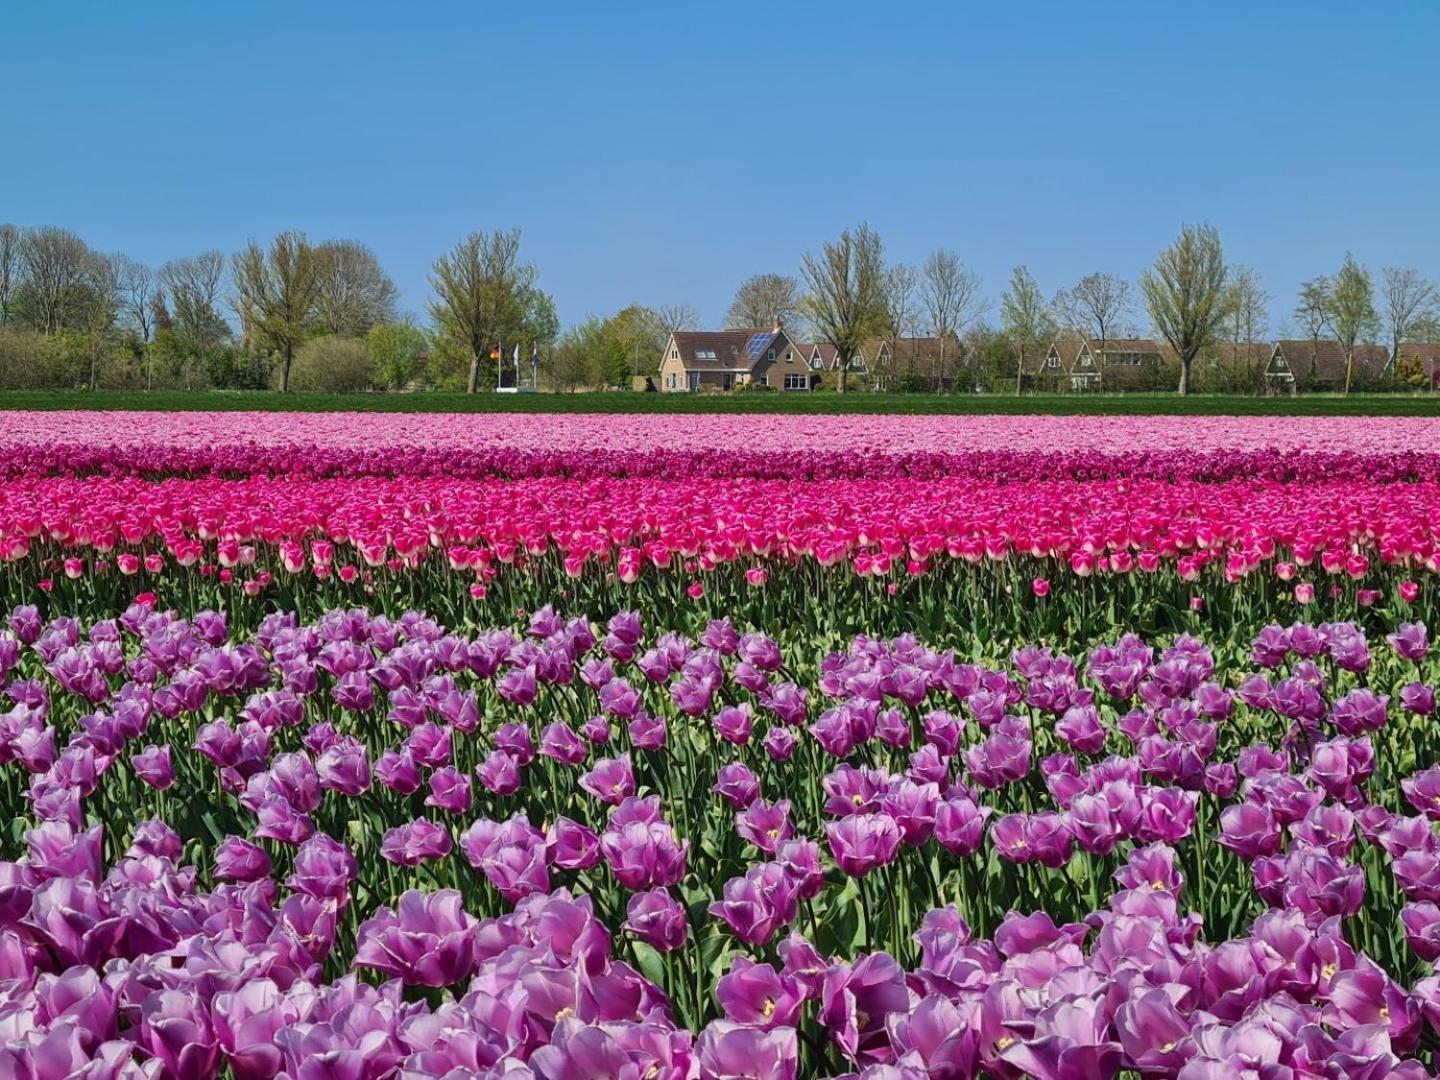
(950, 295)
(1312, 312)
(96, 299)
(673, 317)
(480, 287)
(194, 287)
(136, 286)
(1353, 318)
(1094, 306)
(1025, 317)
(1246, 305)
(53, 266)
(355, 294)
(846, 303)
(10, 269)
(764, 300)
(901, 301)
(1408, 299)
(1185, 294)
(276, 292)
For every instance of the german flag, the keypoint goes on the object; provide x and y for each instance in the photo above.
(495, 353)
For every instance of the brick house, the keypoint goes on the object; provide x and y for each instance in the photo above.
(725, 359)
(1321, 364)
(822, 356)
(1087, 364)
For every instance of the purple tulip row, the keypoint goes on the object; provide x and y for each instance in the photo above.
(901, 756)
(141, 974)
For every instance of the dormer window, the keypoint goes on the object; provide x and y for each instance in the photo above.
(770, 355)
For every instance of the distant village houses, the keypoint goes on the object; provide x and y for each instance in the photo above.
(710, 360)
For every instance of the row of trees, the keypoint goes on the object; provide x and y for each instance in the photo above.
(325, 316)
(1191, 298)
(72, 315)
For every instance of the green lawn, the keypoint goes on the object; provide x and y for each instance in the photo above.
(816, 403)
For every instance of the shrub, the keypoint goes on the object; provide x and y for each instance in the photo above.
(333, 365)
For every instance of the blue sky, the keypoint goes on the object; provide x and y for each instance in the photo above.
(663, 152)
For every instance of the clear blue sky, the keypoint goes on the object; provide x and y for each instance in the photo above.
(661, 152)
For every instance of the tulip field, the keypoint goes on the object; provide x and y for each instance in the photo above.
(340, 747)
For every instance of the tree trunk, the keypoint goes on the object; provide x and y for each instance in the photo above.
(1184, 376)
(1019, 372)
(473, 382)
(1349, 367)
(844, 368)
(285, 369)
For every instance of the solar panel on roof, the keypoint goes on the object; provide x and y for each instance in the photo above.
(757, 344)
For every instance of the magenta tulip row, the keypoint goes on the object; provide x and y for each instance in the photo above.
(628, 527)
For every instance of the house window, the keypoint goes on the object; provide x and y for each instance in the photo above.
(704, 354)
(764, 380)
(674, 354)
(796, 382)
(694, 380)
(770, 355)
(789, 355)
(1051, 362)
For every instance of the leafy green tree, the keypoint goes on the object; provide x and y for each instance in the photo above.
(1185, 294)
(481, 294)
(276, 295)
(846, 302)
(1025, 318)
(1352, 315)
(398, 352)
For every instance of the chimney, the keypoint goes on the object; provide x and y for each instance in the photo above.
(779, 325)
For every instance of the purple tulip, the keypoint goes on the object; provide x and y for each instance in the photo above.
(428, 939)
(246, 1022)
(755, 907)
(237, 859)
(153, 766)
(559, 741)
(1410, 640)
(499, 773)
(647, 732)
(766, 825)
(1418, 698)
(656, 918)
(757, 994)
(861, 842)
(734, 724)
(415, 842)
(398, 771)
(324, 868)
(175, 1028)
(1249, 830)
(572, 846)
(779, 743)
(644, 855)
(737, 785)
(344, 767)
(611, 780)
(449, 790)
(856, 1001)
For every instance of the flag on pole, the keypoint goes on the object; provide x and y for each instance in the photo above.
(516, 355)
(535, 354)
(495, 353)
